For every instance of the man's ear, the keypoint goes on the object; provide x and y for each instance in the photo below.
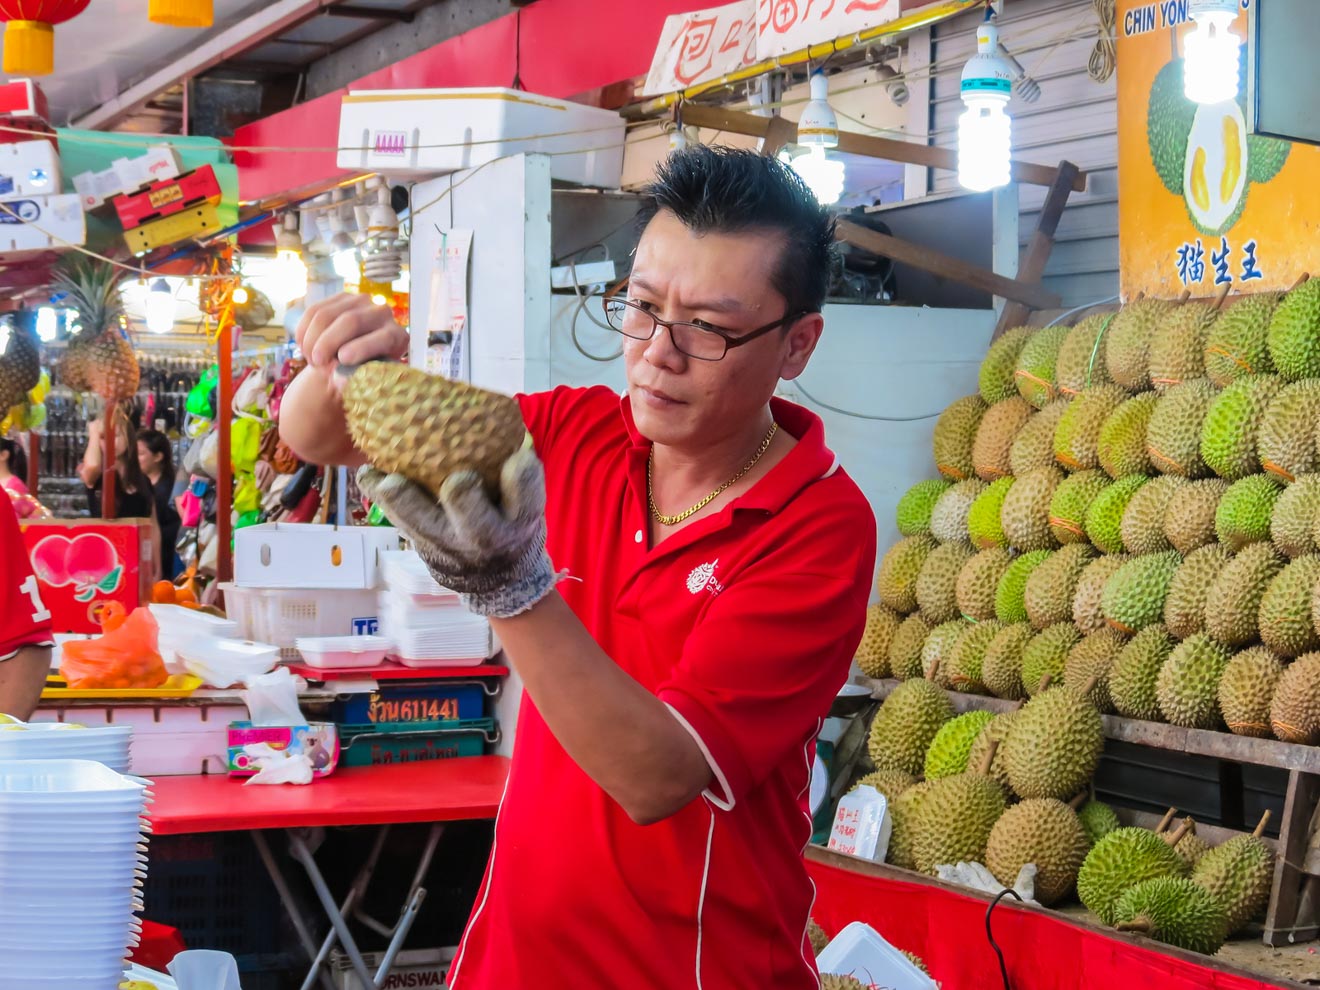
(803, 336)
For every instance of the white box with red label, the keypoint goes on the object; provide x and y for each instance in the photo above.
(29, 168)
(32, 224)
(125, 175)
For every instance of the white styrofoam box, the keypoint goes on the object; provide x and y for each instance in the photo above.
(29, 168)
(168, 740)
(127, 174)
(433, 131)
(178, 626)
(224, 663)
(301, 555)
(280, 615)
(338, 652)
(35, 224)
(859, 950)
(404, 573)
(457, 646)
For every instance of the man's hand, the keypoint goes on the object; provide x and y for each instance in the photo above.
(349, 329)
(492, 555)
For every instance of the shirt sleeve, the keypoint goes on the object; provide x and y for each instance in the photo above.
(763, 666)
(546, 413)
(24, 618)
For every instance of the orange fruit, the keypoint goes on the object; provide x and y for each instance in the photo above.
(184, 596)
(162, 593)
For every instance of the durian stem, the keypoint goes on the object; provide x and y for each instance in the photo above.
(1078, 800)
(1090, 684)
(934, 669)
(988, 758)
(1187, 294)
(1223, 294)
(1302, 279)
(1044, 683)
(1174, 837)
(1260, 826)
(1137, 926)
(1164, 822)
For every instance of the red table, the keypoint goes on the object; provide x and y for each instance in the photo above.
(436, 791)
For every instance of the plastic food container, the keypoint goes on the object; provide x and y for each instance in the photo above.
(333, 652)
(225, 662)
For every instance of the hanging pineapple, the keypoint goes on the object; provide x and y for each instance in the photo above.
(99, 358)
(20, 360)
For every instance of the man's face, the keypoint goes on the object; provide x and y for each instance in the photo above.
(723, 280)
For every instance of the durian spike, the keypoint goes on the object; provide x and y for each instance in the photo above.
(1260, 826)
(988, 758)
(1078, 800)
(1164, 822)
(1302, 279)
(1174, 837)
(1223, 294)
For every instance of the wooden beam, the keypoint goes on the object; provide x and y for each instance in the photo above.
(938, 263)
(1032, 268)
(909, 152)
(1283, 926)
(781, 131)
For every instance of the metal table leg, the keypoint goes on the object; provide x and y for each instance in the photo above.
(290, 905)
(304, 856)
(357, 890)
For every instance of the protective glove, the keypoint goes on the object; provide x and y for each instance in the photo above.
(493, 555)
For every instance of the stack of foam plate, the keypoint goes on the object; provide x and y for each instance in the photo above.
(106, 744)
(426, 622)
(72, 860)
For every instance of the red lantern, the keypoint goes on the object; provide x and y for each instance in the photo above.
(30, 33)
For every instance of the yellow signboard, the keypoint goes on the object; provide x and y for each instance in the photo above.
(1202, 204)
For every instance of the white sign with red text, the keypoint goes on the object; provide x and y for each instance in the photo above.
(784, 26)
(702, 45)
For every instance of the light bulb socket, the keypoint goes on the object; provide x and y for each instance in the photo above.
(818, 126)
(987, 75)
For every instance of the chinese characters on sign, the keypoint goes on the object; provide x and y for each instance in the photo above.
(1189, 263)
(703, 45)
(786, 25)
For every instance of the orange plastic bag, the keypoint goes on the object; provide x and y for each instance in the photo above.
(125, 657)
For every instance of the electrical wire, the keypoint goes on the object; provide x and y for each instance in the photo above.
(1104, 56)
(1078, 309)
(797, 384)
(989, 934)
(582, 301)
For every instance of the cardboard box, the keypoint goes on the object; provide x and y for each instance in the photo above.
(168, 740)
(319, 741)
(35, 224)
(80, 564)
(126, 174)
(423, 969)
(23, 99)
(29, 168)
(301, 555)
(166, 197)
(192, 222)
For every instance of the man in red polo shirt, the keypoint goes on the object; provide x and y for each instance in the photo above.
(25, 639)
(711, 569)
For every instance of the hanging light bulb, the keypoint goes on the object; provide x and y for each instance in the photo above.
(818, 129)
(985, 129)
(346, 265)
(289, 265)
(1211, 53)
(823, 176)
(160, 307)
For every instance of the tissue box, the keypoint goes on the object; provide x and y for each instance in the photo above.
(319, 741)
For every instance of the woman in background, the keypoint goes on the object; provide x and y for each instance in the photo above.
(13, 469)
(133, 492)
(156, 459)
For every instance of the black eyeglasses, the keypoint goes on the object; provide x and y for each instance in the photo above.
(696, 340)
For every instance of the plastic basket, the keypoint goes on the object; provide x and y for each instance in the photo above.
(443, 701)
(280, 616)
(413, 742)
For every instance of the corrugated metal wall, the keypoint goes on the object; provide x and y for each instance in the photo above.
(1075, 118)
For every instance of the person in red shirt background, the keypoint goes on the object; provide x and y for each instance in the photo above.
(25, 638)
(714, 567)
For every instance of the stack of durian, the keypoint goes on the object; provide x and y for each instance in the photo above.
(1127, 520)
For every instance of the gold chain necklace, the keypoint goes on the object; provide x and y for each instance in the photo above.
(665, 520)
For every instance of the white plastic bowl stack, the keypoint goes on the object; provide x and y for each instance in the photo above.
(426, 622)
(106, 744)
(72, 859)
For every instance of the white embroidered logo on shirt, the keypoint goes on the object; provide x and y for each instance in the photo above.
(702, 578)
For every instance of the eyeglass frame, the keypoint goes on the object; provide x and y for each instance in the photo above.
(730, 341)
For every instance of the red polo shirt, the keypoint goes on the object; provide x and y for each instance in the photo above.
(24, 620)
(745, 624)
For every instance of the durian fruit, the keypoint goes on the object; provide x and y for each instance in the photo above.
(426, 427)
(896, 579)
(1142, 526)
(1041, 831)
(1034, 373)
(1236, 344)
(1053, 745)
(1175, 911)
(1104, 516)
(1121, 446)
(1294, 334)
(1001, 665)
(817, 937)
(1033, 447)
(948, 750)
(890, 783)
(905, 648)
(1173, 437)
(1127, 350)
(904, 809)
(996, 377)
(993, 735)
(937, 648)
(953, 822)
(1077, 437)
(1238, 874)
(1087, 600)
(1136, 671)
(840, 981)
(20, 360)
(1188, 684)
(1097, 819)
(1122, 859)
(913, 511)
(1189, 519)
(915, 960)
(955, 432)
(967, 655)
(1191, 847)
(1025, 514)
(1245, 511)
(977, 581)
(1071, 500)
(994, 437)
(1045, 655)
(983, 525)
(1296, 513)
(905, 724)
(1295, 709)
(1246, 689)
(1089, 663)
(1081, 360)
(1184, 608)
(1285, 622)
(937, 581)
(948, 520)
(1051, 587)
(1232, 425)
(872, 654)
(1232, 606)
(1177, 349)
(1009, 593)
(1133, 598)
(1286, 442)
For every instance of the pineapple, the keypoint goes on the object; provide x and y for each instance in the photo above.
(426, 427)
(20, 361)
(99, 358)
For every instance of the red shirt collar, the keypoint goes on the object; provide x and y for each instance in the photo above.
(808, 461)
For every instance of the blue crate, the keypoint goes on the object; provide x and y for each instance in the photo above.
(435, 701)
(386, 743)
